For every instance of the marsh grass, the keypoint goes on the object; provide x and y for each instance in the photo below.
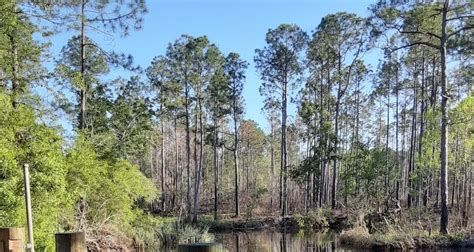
(403, 232)
(172, 234)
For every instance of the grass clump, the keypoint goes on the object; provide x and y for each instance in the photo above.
(145, 232)
(172, 234)
(358, 237)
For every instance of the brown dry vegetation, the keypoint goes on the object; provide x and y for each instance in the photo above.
(409, 229)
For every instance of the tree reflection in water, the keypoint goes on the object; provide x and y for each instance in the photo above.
(264, 241)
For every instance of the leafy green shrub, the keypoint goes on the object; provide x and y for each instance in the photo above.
(72, 189)
(300, 220)
(24, 140)
(321, 217)
(104, 193)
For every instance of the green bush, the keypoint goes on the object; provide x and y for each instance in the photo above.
(105, 192)
(24, 140)
(300, 220)
(72, 189)
(321, 217)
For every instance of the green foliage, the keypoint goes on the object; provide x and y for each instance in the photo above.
(145, 231)
(462, 117)
(234, 69)
(357, 168)
(26, 141)
(300, 220)
(64, 187)
(131, 121)
(95, 60)
(93, 182)
(105, 192)
(284, 46)
(315, 219)
(20, 53)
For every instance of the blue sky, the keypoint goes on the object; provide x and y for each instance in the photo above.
(233, 25)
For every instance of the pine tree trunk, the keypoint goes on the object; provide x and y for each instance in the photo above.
(467, 199)
(400, 171)
(247, 169)
(188, 153)
(387, 139)
(411, 161)
(176, 168)
(236, 163)
(335, 161)
(272, 160)
(434, 84)
(444, 126)
(216, 172)
(284, 167)
(16, 88)
(198, 164)
(356, 137)
(83, 88)
(163, 167)
(422, 122)
(322, 144)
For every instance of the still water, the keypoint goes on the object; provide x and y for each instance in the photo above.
(279, 242)
(266, 241)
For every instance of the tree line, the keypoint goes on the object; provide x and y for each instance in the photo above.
(375, 134)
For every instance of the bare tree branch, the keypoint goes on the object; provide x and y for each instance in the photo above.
(421, 33)
(460, 30)
(459, 17)
(100, 19)
(416, 43)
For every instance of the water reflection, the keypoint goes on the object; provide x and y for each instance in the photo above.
(267, 241)
(279, 242)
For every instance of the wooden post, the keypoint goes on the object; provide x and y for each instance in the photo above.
(201, 247)
(12, 239)
(71, 242)
(29, 219)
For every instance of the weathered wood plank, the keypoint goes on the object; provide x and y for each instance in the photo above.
(12, 239)
(71, 242)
